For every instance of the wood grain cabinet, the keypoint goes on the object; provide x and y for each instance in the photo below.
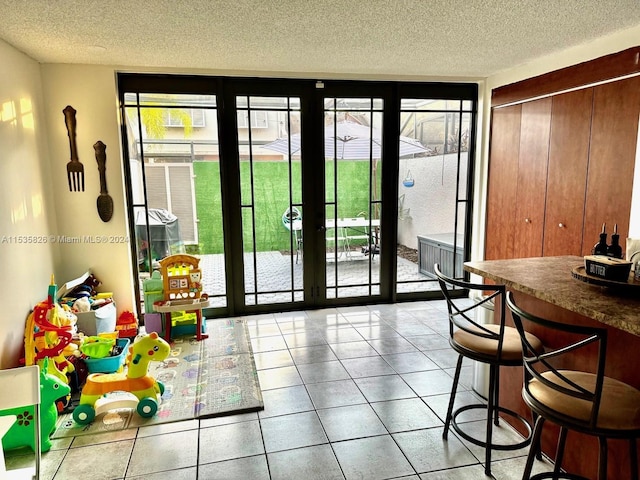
(560, 167)
(502, 186)
(532, 178)
(519, 154)
(612, 156)
(567, 173)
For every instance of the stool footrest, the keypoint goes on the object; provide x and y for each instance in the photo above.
(482, 443)
(559, 476)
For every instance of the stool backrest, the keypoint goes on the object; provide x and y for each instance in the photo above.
(462, 313)
(572, 345)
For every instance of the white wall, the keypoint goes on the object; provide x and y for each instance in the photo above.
(26, 202)
(91, 91)
(432, 200)
(597, 48)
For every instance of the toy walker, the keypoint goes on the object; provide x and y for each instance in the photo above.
(144, 390)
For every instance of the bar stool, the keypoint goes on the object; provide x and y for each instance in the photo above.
(578, 400)
(496, 344)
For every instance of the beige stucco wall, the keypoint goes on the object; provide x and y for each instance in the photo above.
(27, 207)
(101, 247)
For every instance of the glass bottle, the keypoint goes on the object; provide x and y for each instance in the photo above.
(615, 250)
(601, 247)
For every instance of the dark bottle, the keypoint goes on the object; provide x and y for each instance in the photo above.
(601, 247)
(615, 250)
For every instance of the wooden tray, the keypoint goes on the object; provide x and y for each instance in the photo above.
(579, 273)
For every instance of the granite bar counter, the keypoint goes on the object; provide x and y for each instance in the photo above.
(549, 279)
(545, 287)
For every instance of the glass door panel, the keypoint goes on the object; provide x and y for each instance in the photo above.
(432, 192)
(353, 162)
(269, 147)
(174, 170)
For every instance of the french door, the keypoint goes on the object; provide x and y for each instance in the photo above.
(291, 191)
(308, 170)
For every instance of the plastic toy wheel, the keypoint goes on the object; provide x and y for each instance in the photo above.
(84, 414)
(161, 387)
(147, 407)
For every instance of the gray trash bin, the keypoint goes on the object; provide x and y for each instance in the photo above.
(481, 370)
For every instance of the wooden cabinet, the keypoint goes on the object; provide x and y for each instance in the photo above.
(517, 180)
(560, 167)
(502, 185)
(566, 186)
(532, 178)
(612, 154)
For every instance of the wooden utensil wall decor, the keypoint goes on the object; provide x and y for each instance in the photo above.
(104, 202)
(75, 169)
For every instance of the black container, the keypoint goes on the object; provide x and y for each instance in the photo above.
(614, 250)
(601, 248)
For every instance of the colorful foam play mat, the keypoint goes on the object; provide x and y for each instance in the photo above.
(213, 377)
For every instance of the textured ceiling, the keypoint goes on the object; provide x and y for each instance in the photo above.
(450, 38)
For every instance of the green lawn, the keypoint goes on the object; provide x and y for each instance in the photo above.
(270, 200)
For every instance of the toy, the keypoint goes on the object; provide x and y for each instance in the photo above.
(136, 381)
(48, 334)
(127, 325)
(182, 290)
(21, 433)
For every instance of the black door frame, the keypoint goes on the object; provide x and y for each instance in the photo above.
(311, 93)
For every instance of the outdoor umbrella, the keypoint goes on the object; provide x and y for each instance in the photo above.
(348, 140)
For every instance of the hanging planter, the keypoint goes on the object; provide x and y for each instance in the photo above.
(408, 180)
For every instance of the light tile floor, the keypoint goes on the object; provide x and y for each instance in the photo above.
(349, 393)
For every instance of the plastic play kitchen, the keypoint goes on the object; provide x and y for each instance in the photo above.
(182, 291)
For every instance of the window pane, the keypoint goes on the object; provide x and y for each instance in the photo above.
(171, 99)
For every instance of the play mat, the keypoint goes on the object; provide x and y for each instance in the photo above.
(207, 378)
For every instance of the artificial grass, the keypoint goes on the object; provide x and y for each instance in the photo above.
(263, 207)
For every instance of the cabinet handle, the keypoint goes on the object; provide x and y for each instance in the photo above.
(561, 225)
(526, 220)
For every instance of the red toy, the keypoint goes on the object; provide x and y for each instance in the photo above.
(127, 325)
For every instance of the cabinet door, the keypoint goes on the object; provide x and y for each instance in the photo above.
(502, 181)
(528, 224)
(566, 179)
(612, 153)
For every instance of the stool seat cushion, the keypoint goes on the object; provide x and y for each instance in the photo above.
(511, 344)
(619, 407)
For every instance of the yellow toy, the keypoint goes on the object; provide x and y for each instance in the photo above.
(48, 334)
(144, 389)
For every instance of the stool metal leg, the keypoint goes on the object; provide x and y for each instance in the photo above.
(538, 450)
(496, 399)
(493, 403)
(562, 438)
(452, 398)
(535, 446)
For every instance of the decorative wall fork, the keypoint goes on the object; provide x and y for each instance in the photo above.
(75, 169)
